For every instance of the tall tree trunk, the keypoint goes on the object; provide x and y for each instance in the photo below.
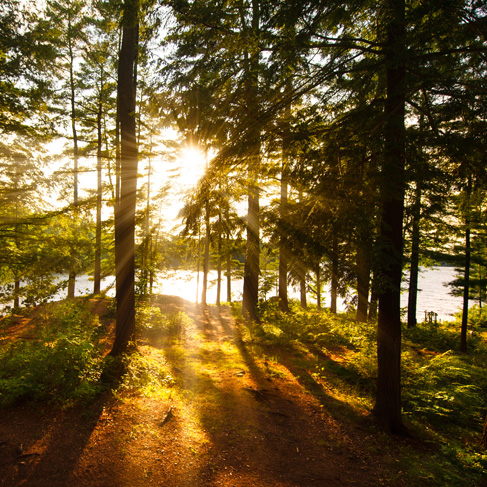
(318, 288)
(363, 281)
(125, 210)
(373, 301)
(250, 296)
(229, 278)
(466, 272)
(302, 287)
(147, 257)
(334, 276)
(283, 209)
(206, 259)
(72, 271)
(16, 296)
(198, 265)
(219, 264)
(414, 270)
(283, 251)
(252, 256)
(387, 407)
(97, 275)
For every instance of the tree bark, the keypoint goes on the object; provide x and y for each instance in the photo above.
(283, 210)
(250, 296)
(219, 265)
(72, 272)
(206, 259)
(125, 210)
(99, 189)
(302, 287)
(363, 283)
(466, 272)
(387, 407)
(252, 255)
(414, 270)
(334, 276)
(283, 252)
(318, 288)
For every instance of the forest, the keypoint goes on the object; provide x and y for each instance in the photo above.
(320, 146)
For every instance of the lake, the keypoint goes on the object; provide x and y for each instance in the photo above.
(433, 295)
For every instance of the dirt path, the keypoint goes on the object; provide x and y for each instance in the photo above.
(232, 418)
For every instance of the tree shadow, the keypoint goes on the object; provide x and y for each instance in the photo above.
(256, 425)
(46, 446)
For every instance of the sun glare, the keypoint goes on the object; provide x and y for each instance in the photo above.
(192, 164)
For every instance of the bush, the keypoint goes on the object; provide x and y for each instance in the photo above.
(444, 386)
(477, 317)
(63, 365)
(150, 321)
(143, 374)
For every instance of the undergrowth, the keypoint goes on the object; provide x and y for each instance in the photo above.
(444, 391)
(151, 322)
(64, 361)
(61, 364)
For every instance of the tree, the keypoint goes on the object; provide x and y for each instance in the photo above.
(69, 22)
(388, 396)
(125, 209)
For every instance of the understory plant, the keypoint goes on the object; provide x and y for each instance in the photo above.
(444, 391)
(61, 364)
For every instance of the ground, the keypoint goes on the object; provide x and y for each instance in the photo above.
(233, 417)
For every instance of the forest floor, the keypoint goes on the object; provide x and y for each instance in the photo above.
(234, 416)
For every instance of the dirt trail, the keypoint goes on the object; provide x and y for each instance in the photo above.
(233, 418)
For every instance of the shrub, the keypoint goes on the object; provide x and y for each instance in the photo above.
(477, 316)
(150, 321)
(63, 365)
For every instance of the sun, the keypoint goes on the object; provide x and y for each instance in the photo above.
(191, 163)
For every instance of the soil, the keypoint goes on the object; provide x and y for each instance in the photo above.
(234, 417)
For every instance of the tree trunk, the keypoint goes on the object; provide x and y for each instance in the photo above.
(72, 272)
(387, 407)
(373, 303)
(125, 210)
(466, 272)
(414, 271)
(283, 252)
(252, 256)
(97, 275)
(318, 288)
(334, 276)
(302, 287)
(283, 210)
(206, 259)
(147, 254)
(198, 265)
(363, 283)
(229, 277)
(250, 296)
(219, 266)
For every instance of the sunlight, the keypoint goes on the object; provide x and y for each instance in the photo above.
(191, 165)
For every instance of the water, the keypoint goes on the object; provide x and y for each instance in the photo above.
(433, 295)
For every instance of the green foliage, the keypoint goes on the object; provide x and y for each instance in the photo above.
(143, 374)
(444, 386)
(477, 316)
(62, 365)
(444, 392)
(152, 322)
